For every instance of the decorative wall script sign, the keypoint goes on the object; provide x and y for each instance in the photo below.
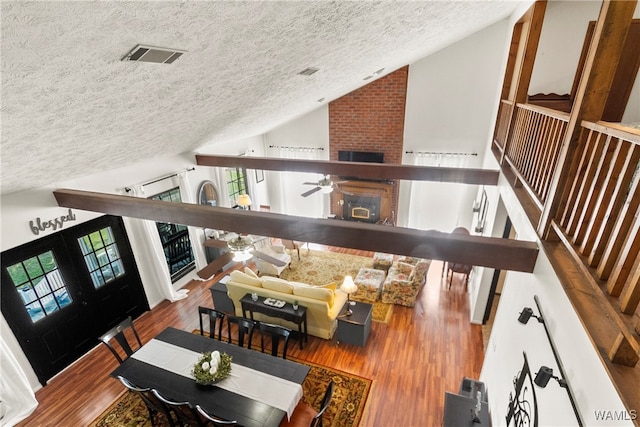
(53, 224)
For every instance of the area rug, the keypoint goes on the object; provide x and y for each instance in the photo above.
(322, 267)
(346, 409)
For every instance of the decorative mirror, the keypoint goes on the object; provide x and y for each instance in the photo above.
(207, 194)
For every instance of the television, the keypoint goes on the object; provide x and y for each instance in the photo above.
(361, 156)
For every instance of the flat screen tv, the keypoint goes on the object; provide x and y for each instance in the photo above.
(360, 156)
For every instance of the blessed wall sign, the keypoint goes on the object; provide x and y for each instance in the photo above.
(38, 225)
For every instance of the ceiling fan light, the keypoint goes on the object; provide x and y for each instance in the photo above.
(241, 244)
(328, 189)
(242, 256)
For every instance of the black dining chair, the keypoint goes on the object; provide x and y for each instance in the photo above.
(119, 334)
(245, 328)
(305, 416)
(277, 333)
(217, 422)
(215, 317)
(185, 413)
(153, 404)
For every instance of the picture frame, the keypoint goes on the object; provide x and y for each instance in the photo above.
(259, 175)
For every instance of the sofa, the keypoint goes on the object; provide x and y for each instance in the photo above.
(404, 281)
(323, 303)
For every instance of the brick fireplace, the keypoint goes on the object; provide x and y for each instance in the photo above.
(370, 119)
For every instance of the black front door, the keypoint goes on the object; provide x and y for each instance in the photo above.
(60, 292)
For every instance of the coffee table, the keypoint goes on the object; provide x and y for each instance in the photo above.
(299, 316)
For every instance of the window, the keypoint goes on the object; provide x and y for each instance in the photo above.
(40, 285)
(101, 256)
(175, 240)
(236, 184)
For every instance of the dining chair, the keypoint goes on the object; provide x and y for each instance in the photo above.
(217, 422)
(277, 333)
(185, 413)
(214, 316)
(153, 404)
(118, 333)
(305, 416)
(245, 328)
(453, 267)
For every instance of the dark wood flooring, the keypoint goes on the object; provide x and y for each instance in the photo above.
(421, 353)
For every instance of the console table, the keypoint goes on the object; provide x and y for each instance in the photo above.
(355, 329)
(299, 316)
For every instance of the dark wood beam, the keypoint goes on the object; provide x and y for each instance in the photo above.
(378, 171)
(491, 252)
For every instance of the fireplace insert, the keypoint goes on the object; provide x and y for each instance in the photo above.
(361, 208)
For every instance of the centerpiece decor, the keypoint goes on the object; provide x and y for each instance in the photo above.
(211, 367)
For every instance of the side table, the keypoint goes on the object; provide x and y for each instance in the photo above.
(221, 300)
(355, 329)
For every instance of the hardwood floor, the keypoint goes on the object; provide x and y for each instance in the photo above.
(421, 353)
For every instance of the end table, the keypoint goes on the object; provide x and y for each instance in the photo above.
(355, 329)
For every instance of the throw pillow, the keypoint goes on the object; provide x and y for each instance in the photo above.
(278, 285)
(333, 286)
(250, 272)
(244, 278)
(316, 293)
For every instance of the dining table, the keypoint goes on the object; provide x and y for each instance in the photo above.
(260, 391)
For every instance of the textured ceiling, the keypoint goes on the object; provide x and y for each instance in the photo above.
(70, 107)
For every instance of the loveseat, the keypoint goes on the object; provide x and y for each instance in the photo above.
(323, 303)
(404, 281)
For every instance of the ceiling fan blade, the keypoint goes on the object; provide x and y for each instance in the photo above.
(309, 183)
(310, 192)
(269, 259)
(214, 243)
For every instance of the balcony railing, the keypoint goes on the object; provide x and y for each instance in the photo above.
(598, 219)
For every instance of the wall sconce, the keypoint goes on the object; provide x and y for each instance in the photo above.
(543, 376)
(526, 314)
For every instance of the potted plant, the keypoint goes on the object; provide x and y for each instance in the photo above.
(295, 304)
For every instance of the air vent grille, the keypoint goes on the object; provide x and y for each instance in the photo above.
(158, 55)
(308, 71)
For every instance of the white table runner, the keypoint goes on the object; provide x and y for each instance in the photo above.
(256, 385)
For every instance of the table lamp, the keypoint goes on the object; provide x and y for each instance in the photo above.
(244, 201)
(349, 287)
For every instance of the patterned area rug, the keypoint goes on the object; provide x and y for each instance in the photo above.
(319, 268)
(346, 409)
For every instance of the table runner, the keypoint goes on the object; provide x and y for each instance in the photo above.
(256, 385)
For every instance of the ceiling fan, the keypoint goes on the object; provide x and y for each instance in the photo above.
(243, 249)
(324, 185)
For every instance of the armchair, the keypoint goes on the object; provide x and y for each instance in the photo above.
(275, 251)
(404, 281)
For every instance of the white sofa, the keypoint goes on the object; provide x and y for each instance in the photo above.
(323, 303)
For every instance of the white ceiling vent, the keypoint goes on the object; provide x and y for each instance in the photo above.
(159, 55)
(308, 71)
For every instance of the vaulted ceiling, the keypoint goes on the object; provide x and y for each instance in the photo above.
(71, 107)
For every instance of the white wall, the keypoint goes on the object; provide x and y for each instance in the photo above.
(450, 99)
(587, 377)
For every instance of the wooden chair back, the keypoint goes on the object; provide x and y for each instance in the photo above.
(215, 317)
(277, 333)
(245, 328)
(118, 333)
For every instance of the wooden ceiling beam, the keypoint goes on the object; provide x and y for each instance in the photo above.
(377, 171)
(490, 252)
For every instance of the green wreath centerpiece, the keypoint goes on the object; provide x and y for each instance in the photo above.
(211, 367)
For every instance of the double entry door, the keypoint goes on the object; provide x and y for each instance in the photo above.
(60, 292)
